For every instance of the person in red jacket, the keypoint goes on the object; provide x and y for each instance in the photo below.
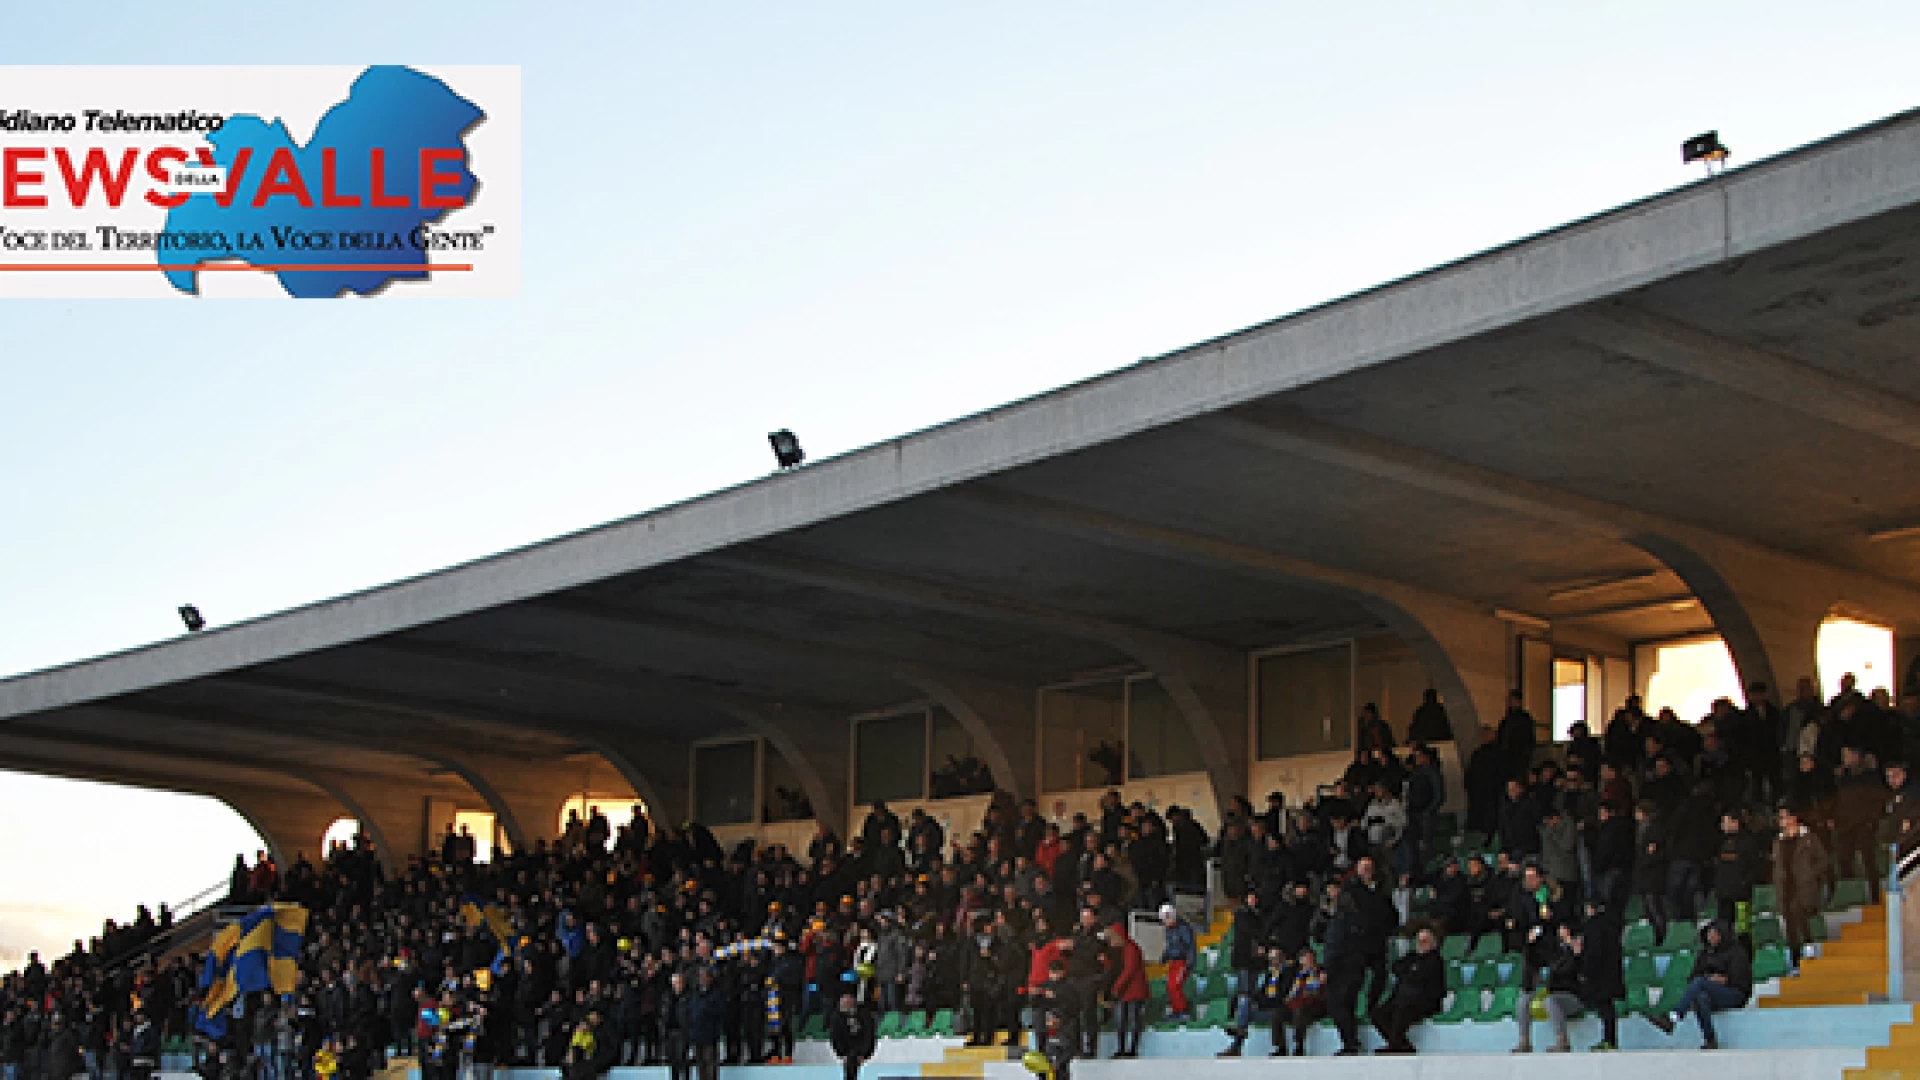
(1048, 853)
(1046, 949)
(1129, 990)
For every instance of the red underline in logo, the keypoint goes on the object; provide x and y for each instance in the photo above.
(337, 268)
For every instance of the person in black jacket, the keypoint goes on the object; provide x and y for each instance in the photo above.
(1379, 918)
(1610, 857)
(1722, 979)
(1736, 867)
(1346, 967)
(1561, 994)
(1430, 723)
(1419, 986)
(1650, 858)
(1058, 1010)
(853, 1035)
(1519, 821)
(1601, 980)
(708, 1013)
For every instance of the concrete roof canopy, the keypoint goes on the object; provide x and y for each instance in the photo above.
(1691, 413)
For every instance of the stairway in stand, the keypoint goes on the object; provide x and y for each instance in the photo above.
(1898, 1060)
(1850, 970)
(968, 1060)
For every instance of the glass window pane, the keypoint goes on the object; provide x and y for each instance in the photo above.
(956, 769)
(1082, 736)
(1569, 697)
(783, 798)
(723, 783)
(1306, 702)
(1161, 740)
(890, 755)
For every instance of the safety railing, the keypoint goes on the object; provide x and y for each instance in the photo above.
(1900, 867)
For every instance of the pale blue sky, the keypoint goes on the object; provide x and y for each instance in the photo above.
(854, 219)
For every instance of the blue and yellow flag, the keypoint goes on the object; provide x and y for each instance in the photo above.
(259, 953)
(478, 913)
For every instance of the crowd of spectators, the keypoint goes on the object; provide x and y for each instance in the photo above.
(1564, 839)
(648, 945)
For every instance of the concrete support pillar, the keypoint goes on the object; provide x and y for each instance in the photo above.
(394, 816)
(817, 745)
(290, 822)
(655, 768)
(1209, 685)
(1468, 655)
(999, 717)
(526, 797)
(1770, 620)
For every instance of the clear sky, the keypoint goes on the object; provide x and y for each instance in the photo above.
(853, 219)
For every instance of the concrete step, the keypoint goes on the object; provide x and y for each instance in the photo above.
(1820, 1000)
(1893, 1057)
(1842, 964)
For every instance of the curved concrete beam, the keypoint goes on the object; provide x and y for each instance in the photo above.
(367, 822)
(980, 709)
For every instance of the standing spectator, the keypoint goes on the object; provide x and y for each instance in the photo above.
(1859, 801)
(1736, 868)
(1128, 991)
(854, 1036)
(1650, 862)
(1799, 877)
(1346, 968)
(1560, 997)
(1485, 779)
(708, 1016)
(1430, 723)
(1426, 795)
(1517, 736)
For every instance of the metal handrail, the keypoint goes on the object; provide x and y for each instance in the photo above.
(1899, 869)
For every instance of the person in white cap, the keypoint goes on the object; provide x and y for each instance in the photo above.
(1178, 955)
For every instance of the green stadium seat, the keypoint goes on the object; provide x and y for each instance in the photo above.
(1816, 928)
(816, 1027)
(1511, 967)
(1770, 962)
(915, 1026)
(1156, 990)
(1638, 938)
(1766, 900)
(1456, 947)
(1217, 1014)
(1640, 970)
(1679, 972)
(1767, 930)
(890, 1025)
(1638, 1000)
(1456, 975)
(1489, 947)
(1680, 935)
(1848, 893)
(1499, 1005)
(942, 1025)
(1485, 976)
(1465, 1005)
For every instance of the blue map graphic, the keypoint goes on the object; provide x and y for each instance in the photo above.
(396, 110)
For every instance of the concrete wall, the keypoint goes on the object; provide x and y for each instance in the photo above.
(1787, 1044)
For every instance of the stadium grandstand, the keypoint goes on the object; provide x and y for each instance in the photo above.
(1331, 689)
